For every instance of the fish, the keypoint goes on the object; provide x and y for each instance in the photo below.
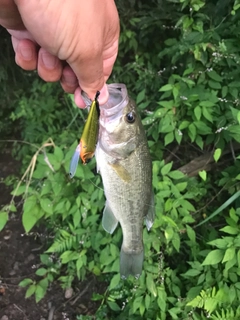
(124, 163)
(87, 145)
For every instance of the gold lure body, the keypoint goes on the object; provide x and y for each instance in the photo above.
(87, 145)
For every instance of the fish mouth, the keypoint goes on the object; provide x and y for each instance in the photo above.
(118, 99)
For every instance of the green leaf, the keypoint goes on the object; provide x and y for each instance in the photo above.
(46, 188)
(30, 203)
(178, 136)
(81, 262)
(3, 219)
(238, 117)
(229, 254)
(213, 257)
(175, 92)
(166, 104)
(233, 215)
(162, 296)
(114, 250)
(167, 87)
(191, 273)
(140, 96)
(147, 301)
(234, 112)
(165, 169)
(41, 289)
(41, 272)
(30, 218)
(192, 132)
(234, 129)
(142, 309)
(151, 285)
(176, 175)
(234, 84)
(214, 85)
(181, 186)
(199, 141)
(214, 76)
(220, 243)
(46, 205)
(137, 303)
(198, 112)
(30, 291)
(25, 282)
(186, 204)
(176, 241)
(224, 91)
(207, 115)
(238, 259)
(19, 191)
(217, 154)
(207, 104)
(58, 153)
(54, 161)
(230, 230)
(202, 127)
(191, 234)
(229, 264)
(203, 175)
(184, 124)
(148, 120)
(76, 218)
(168, 233)
(69, 256)
(169, 137)
(113, 305)
(45, 259)
(115, 281)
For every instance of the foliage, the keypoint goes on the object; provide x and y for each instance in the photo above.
(13, 81)
(180, 61)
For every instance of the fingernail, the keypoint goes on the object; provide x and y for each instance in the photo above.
(49, 60)
(26, 53)
(103, 98)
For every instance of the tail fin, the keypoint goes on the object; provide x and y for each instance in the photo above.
(131, 263)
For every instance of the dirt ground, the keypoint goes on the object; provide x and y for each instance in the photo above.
(19, 258)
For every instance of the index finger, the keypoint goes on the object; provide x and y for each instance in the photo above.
(9, 15)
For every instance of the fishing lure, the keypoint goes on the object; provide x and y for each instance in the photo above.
(87, 145)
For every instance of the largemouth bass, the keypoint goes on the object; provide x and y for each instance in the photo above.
(124, 163)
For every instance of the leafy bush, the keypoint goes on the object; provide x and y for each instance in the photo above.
(180, 61)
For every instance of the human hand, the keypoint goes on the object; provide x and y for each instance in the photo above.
(74, 41)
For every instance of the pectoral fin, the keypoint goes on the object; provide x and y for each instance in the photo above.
(149, 219)
(121, 171)
(109, 222)
(74, 161)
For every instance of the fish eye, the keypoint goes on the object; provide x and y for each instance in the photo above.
(130, 117)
